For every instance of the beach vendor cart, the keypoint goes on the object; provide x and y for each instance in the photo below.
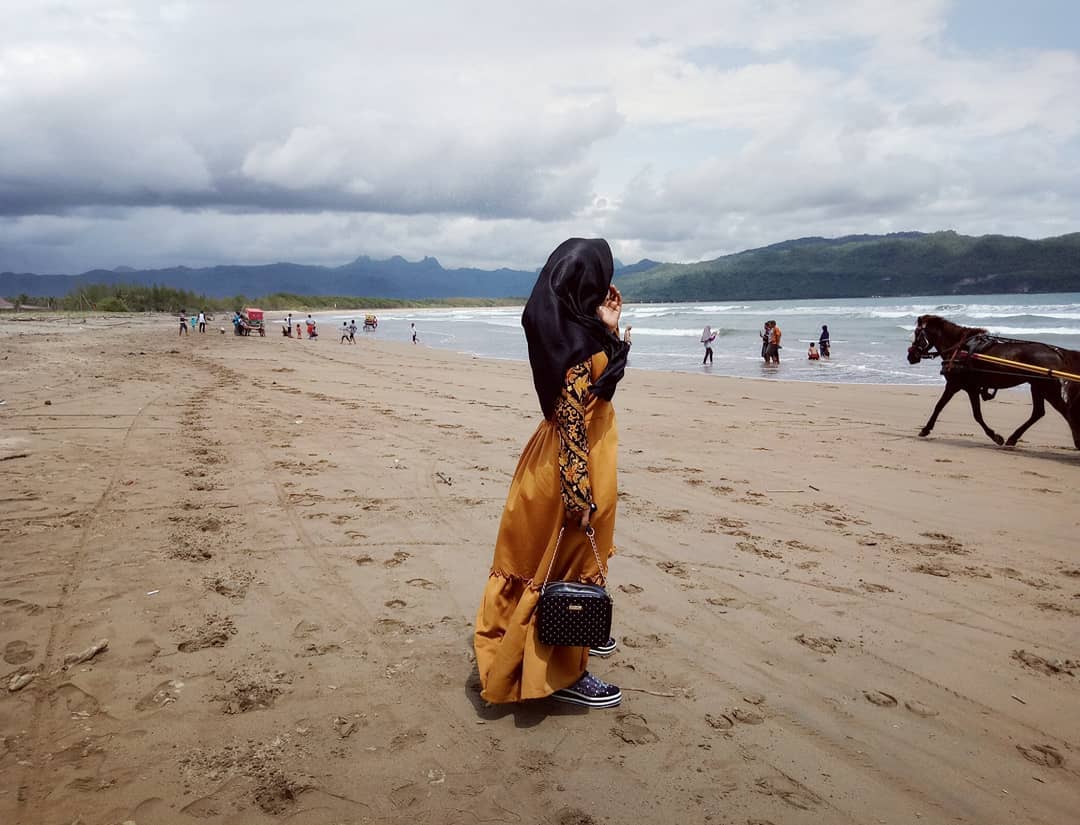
(370, 322)
(253, 320)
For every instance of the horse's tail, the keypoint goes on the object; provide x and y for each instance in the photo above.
(1070, 392)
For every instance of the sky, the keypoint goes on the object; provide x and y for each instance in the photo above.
(151, 134)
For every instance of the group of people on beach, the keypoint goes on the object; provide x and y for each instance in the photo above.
(196, 320)
(309, 325)
(348, 332)
(770, 344)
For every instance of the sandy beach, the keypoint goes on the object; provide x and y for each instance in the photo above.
(284, 543)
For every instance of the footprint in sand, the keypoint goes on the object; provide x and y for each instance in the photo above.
(575, 816)
(720, 721)
(397, 604)
(870, 587)
(78, 701)
(632, 729)
(18, 652)
(304, 629)
(757, 550)
(819, 644)
(164, 694)
(389, 625)
(145, 649)
(675, 568)
(938, 536)
(652, 640)
(789, 791)
(362, 560)
(215, 632)
(19, 605)
(747, 716)
(919, 709)
(631, 588)
(399, 558)
(1044, 755)
(1050, 668)
(880, 698)
(424, 584)
(722, 601)
(932, 570)
(410, 737)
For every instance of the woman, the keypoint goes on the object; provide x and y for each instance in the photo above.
(823, 341)
(566, 476)
(707, 338)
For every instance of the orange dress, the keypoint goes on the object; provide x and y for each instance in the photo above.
(512, 662)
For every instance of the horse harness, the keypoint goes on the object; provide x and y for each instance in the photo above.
(964, 355)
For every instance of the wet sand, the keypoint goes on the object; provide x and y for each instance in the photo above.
(284, 542)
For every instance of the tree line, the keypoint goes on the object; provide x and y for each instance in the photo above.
(137, 298)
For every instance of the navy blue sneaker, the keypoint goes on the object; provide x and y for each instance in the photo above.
(604, 650)
(590, 692)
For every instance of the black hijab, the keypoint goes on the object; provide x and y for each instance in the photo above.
(560, 320)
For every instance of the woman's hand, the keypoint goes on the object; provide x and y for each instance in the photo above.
(580, 517)
(610, 310)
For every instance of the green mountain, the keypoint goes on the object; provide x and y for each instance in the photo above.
(909, 263)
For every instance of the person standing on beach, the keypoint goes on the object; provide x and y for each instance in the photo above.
(823, 341)
(415, 338)
(183, 324)
(352, 331)
(344, 332)
(565, 483)
(202, 321)
(626, 335)
(707, 338)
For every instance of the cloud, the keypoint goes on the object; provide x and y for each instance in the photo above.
(199, 132)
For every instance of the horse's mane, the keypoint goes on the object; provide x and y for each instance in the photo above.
(947, 329)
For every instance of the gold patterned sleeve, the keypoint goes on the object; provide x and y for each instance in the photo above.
(574, 439)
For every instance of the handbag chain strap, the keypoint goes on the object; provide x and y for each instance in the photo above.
(591, 534)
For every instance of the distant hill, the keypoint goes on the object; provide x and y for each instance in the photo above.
(907, 263)
(391, 278)
(904, 263)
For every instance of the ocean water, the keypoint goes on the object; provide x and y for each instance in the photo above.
(870, 335)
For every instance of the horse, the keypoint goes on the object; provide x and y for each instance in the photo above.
(957, 346)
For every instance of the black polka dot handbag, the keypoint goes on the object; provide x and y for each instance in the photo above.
(573, 614)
